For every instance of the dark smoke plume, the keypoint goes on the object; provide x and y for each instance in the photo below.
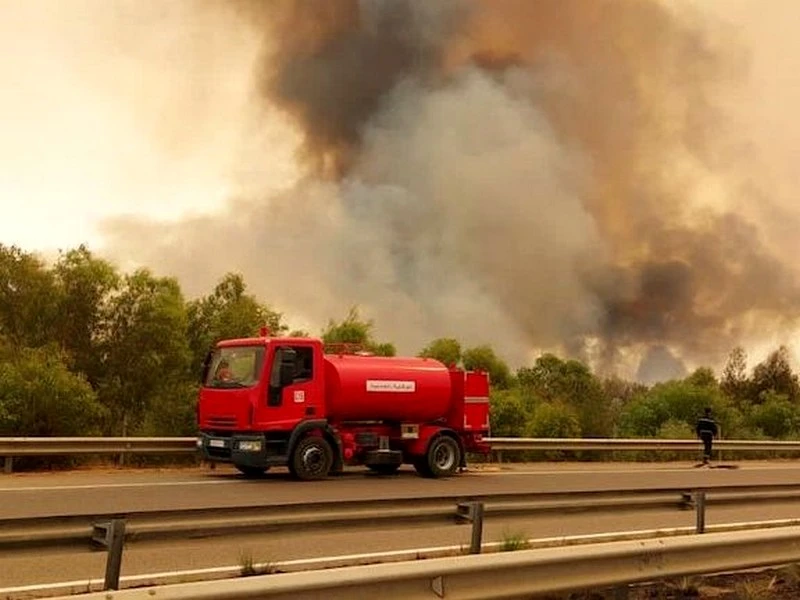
(534, 174)
(332, 63)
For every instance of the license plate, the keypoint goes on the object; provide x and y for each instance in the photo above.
(216, 443)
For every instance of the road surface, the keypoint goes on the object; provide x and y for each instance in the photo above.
(97, 492)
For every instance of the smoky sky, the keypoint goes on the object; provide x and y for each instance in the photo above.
(557, 174)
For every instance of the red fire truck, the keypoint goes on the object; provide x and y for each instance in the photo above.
(280, 401)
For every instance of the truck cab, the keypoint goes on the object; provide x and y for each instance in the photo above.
(255, 392)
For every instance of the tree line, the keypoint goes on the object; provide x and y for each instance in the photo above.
(87, 350)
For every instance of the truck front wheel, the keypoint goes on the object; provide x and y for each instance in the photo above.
(312, 458)
(441, 460)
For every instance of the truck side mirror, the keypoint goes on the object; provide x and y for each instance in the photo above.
(206, 367)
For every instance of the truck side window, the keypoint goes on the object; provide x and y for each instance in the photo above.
(290, 365)
(281, 373)
(304, 364)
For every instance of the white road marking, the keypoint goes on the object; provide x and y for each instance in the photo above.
(580, 472)
(516, 473)
(689, 469)
(95, 486)
(90, 486)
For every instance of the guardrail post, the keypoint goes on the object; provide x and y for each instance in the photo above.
(472, 512)
(477, 527)
(8, 465)
(701, 511)
(112, 536)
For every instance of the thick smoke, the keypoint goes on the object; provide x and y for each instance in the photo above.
(529, 174)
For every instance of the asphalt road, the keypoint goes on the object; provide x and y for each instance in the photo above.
(96, 492)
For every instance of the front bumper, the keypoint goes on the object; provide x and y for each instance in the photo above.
(250, 450)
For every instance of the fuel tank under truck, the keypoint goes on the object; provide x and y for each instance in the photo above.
(372, 388)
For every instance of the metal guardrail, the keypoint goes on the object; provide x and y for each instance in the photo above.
(111, 531)
(64, 588)
(613, 444)
(12, 447)
(43, 446)
(72, 530)
(505, 575)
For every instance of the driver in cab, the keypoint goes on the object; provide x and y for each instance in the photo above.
(224, 372)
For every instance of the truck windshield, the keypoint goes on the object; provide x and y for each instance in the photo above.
(235, 367)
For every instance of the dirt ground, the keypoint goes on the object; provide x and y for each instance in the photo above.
(770, 584)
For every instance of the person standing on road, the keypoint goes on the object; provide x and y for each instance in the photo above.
(706, 430)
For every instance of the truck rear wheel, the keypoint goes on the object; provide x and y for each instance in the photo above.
(312, 458)
(442, 459)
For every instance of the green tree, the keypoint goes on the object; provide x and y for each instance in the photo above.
(39, 396)
(172, 410)
(85, 286)
(483, 358)
(544, 378)
(672, 429)
(554, 420)
(354, 334)
(384, 349)
(145, 348)
(553, 380)
(703, 377)
(507, 416)
(776, 416)
(675, 429)
(619, 393)
(775, 374)
(734, 382)
(228, 312)
(445, 350)
(616, 389)
(677, 401)
(28, 298)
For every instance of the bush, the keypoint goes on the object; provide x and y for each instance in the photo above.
(777, 417)
(554, 420)
(39, 396)
(508, 415)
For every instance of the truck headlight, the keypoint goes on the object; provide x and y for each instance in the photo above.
(199, 442)
(250, 446)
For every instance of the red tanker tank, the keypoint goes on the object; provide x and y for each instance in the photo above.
(371, 388)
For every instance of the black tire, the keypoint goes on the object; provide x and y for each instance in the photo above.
(384, 469)
(421, 466)
(312, 459)
(442, 458)
(337, 468)
(252, 472)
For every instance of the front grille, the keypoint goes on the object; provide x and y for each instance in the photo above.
(219, 452)
(222, 422)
